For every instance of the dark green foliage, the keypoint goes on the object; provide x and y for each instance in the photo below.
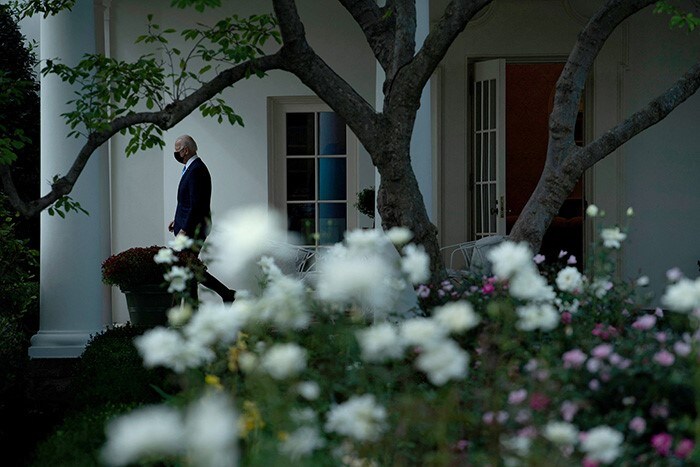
(13, 366)
(19, 116)
(77, 441)
(111, 371)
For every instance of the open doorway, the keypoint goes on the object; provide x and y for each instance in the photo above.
(511, 103)
(529, 100)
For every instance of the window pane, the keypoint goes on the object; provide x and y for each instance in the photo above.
(492, 104)
(494, 208)
(485, 208)
(331, 133)
(492, 156)
(477, 157)
(485, 160)
(485, 106)
(477, 209)
(301, 218)
(300, 134)
(477, 106)
(331, 178)
(332, 219)
(300, 179)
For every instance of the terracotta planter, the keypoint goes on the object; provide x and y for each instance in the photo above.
(148, 305)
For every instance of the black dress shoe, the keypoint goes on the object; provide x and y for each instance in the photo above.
(229, 296)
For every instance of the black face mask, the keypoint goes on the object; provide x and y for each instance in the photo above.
(178, 157)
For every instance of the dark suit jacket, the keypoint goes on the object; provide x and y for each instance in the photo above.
(193, 211)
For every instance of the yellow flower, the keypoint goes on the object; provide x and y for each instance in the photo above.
(213, 380)
(235, 352)
(282, 435)
(250, 419)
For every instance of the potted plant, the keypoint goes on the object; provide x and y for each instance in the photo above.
(365, 202)
(140, 278)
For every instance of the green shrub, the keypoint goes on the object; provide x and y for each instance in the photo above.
(111, 371)
(77, 441)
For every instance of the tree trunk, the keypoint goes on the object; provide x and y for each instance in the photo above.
(554, 186)
(400, 203)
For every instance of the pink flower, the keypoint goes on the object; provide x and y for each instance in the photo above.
(571, 260)
(517, 397)
(462, 444)
(645, 323)
(538, 402)
(566, 318)
(662, 443)
(638, 425)
(589, 463)
(562, 253)
(661, 337)
(593, 365)
(685, 448)
(568, 410)
(604, 333)
(574, 358)
(487, 289)
(538, 259)
(594, 385)
(602, 351)
(664, 358)
(528, 432)
(423, 291)
(659, 411)
(488, 418)
(681, 348)
(674, 274)
(659, 312)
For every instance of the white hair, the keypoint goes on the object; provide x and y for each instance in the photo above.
(188, 142)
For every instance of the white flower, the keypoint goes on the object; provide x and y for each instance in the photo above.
(247, 362)
(283, 361)
(443, 361)
(643, 281)
(368, 241)
(508, 258)
(166, 347)
(592, 210)
(602, 444)
(269, 267)
(561, 433)
(360, 417)
(518, 445)
(399, 235)
(155, 430)
(684, 295)
(181, 242)
(309, 390)
(211, 427)
(528, 284)
(245, 235)
(178, 277)
(178, 315)
(422, 331)
(415, 263)
(362, 280)
(214, 323)
(544, 317)
(284, 303)
(456, 316)
(380, 342)
(302, 442)
(569, 279)
(165, 256)
(612, 237)
(630, 212)
(600, 287)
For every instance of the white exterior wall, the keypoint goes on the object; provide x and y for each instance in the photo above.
(662, 165)
(144, 186)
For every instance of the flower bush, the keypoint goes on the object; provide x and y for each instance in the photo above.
(539, 364)
(136, 266)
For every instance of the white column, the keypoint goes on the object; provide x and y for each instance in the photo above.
(421, 140)
(74, 303)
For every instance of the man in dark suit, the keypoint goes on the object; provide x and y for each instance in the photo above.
(193, 213)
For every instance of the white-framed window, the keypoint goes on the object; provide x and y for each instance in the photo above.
(312, 162)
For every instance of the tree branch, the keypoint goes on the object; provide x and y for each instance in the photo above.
(300, 59)
(377, 25)
(570, 84)
(164, 119)
(410, 80)
(654, 112)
